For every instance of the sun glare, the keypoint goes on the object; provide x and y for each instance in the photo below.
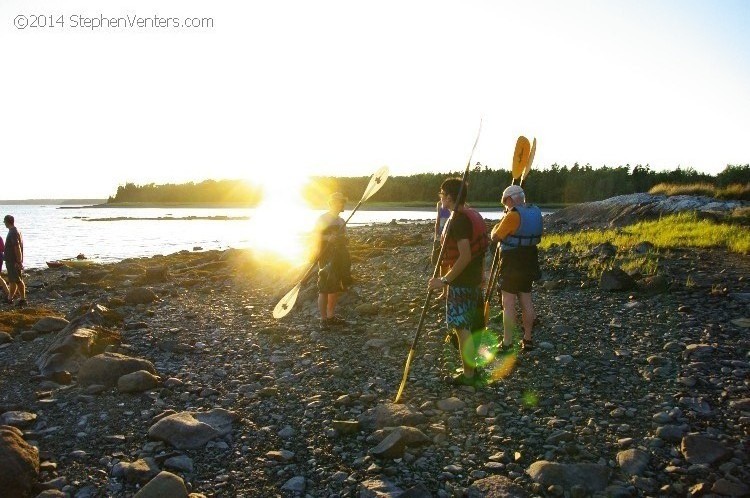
(280, 225)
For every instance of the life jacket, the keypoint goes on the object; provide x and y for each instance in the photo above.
(529, 232)
(479, 240)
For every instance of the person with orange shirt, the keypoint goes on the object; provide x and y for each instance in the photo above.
(518, 233)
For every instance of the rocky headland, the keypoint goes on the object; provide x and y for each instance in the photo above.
(167, 376)
(626, 209)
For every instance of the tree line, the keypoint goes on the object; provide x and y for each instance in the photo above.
(554, 185)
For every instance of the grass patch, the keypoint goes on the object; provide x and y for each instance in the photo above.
(735, 191)
(683, 230)
(18, 320)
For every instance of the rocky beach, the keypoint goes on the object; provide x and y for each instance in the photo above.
(167, 376)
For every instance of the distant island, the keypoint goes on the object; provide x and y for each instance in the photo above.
(51, 202)
(556, 185)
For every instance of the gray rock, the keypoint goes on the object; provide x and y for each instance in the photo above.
(139, 472)
(495, 487)
(165, 484)
(186, 430)
(50, 324)
(699, 449)
(390, 415)
(140, 295)
(378, 488)
(728, 488)
(697, 405)
(633, 461)
(183, 463)
(451, 404)
(590, 476)
(19, 463)
(18, 419)
(295, 485)
(741, 404)
(138, 381)
(106, 368)
(395, 443)
(671, 433)
(5, 338)
(616, 280)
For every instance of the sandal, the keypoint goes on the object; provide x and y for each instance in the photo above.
(462, 380)
(527, 345)
(336, 320)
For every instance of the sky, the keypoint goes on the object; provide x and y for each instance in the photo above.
(276, 91)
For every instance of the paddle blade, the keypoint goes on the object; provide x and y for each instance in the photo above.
(407, 366)
(520, 157)
(287, 302)
(531, 160)
(376, 183)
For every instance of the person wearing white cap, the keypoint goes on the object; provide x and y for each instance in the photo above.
(518, 233)
(334, 262)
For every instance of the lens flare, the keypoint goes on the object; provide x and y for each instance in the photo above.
(281, 224)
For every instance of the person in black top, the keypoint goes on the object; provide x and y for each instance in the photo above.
(465, 244)
(13, 255)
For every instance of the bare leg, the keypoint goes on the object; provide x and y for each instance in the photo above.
(5, 287)
(509, 317)
(332, 300)
(529, 315)
(466, 349)
(12, 289)
(322, 304)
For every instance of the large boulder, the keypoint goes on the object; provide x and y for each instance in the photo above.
(19, 464)
(187, 430)
(84, 336)
(106, 369)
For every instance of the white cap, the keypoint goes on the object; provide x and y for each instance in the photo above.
(515, 192)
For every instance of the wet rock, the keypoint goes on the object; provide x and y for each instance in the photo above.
(19, 463)
(367, 309)
(187, 430)
(165, 484)
(106, 368)
(592, 477)
(700, 449)
(633, 461)
(5, 338)
(138, 381)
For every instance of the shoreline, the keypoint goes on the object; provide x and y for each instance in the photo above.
(322, 400)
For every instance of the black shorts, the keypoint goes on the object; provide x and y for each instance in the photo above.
(515, 285)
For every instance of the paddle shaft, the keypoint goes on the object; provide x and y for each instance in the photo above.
(436, 270)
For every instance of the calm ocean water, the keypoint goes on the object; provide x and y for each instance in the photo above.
(52, 233)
